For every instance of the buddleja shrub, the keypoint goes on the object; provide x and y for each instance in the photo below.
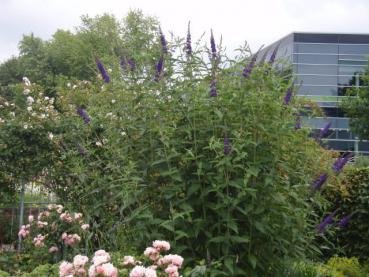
(205, 154)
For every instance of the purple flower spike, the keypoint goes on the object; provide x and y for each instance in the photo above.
(317, 184)
(132, 64)
(159, 69)
(82, 151)
(163, 42)
(83, 114)
(324, 132)
(227, 146)
(103, 72)
(188, 41)
(274, 54)
(247, 70)
(344, 221)
(287, 98)
(213, 47)
(213, 89)
(123, 63)
(341, 162)
(298, 123)
(326, 221)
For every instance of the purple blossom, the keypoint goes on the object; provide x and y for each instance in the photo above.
(163, 42)
(341, 162)
(317, 184)
(274, 53)
(247, 70)
(132, 64)
(213, 47)
(213, 89)
(298, 123)
(344, 221)
(159, 69)
(188, 41)
(227, 146)
(123, 63)
(82, 151)
(326, 221)
(103, 72)
(324, 131)
(287, 98)
(83, 114)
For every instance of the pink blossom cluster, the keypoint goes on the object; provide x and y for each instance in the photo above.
(43, 214)
(71, 239)
(66, 217)
(102, 266)
(24, 231)
(38, 241)
(58, 208)
(169, 263)
(77, 268)
(41, 224)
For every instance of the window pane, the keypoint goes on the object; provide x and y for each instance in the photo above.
(350, 70)
(317, 80)
(353, 62)
(315, 59)
(317, 69)
(318, 90)
(354, 57)
(353, 49)
(317, 48)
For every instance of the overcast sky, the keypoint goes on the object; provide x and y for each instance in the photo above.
(255, 21)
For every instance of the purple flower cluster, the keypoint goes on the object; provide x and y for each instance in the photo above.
(344, 221)
(326, 221)
(247, 70)
(213, 88)
(83, 114)
(188, 41)
(213, 47)
(317, 184)
(227, 146)
(274, 54)
(287, 98)
(298, 123)
(323, 132)
(125, 63)
(163, 42)
(341, 162)
(159, 69)
(103, 72)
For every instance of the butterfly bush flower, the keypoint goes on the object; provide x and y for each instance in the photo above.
(274, 54)
(341, 162)
(326, 221)
(83, 114)
(213, 47)
(317, 184)
(288, 97)
(123, 63)
(298, 123)
(159, 69)
(103, 72)
(132, 64)
(213, 88)
(247, 70)
(188, 41)
(323, 132)
(344, 221)
(227, 146)
(163, 42)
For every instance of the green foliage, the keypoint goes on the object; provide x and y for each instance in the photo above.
(351, 197)
(43, 271)
(4, 274)
(356, 107)
(342, 267)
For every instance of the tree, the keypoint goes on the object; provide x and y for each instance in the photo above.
(356, 107)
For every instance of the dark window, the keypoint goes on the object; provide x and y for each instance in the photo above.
(352, 62)
(350, 70)
(353, 49)
(353, 80)
(315, 59)
(341, 145)
(317, 80)
(333, 112)
(316, 69)
(343, 134)
(363, 146)
(317, 90)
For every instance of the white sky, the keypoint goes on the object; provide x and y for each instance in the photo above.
(255, 21)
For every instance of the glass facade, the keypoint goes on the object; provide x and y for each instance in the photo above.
(326, 67)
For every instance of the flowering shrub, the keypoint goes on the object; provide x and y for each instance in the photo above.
(157, 264)
(56, 230)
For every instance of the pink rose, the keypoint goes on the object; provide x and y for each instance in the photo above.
(161, 245)
(128, 260)
(65, 269)
(137, 271)
(30, 218)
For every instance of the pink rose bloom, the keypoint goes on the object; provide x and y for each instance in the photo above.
(77, 216)
(80, 261)
(99, 270)
(30, 218)
(76, 237)
(99, 260)
(41, 224)
(81, 272)
(137, 271)
(109, 270)
(172, 271)
(64, 235)
(85, 226)
(161, 245)
(128, 260)
(149, 272)
(173, 259)
(59, 209)
(23, 232)
(53, 249)
(65, 269)
(39, 241)
(101, 252)
(92, 271)
(152, 253)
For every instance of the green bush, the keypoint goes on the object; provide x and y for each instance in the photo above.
(342, 267)
(45, 270)
(350, 197)
(4, 274)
